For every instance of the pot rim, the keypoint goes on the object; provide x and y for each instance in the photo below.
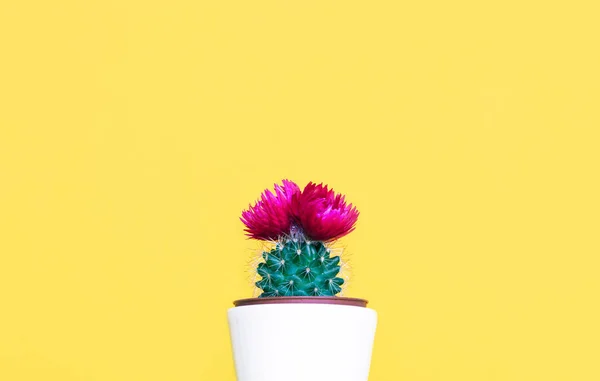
(338, 300)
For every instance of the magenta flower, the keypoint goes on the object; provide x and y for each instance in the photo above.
(323, 215)
(317, 213)
(271, 216)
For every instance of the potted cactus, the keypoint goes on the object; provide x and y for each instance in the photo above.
(299, 328)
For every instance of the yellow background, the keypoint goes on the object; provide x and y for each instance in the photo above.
(132, 134)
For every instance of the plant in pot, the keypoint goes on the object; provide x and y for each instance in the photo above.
(298, 329)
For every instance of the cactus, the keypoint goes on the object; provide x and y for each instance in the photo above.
(302, 224)
(299, 268)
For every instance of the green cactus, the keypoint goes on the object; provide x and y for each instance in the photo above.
(299, 268)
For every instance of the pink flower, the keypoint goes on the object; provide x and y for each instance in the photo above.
(271, 216)
(323, 215)
(316, 213)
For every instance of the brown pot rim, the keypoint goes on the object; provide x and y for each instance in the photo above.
(338, 300)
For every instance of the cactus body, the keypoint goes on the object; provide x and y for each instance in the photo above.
(299, 268)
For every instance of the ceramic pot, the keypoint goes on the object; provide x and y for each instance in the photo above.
(302, 338)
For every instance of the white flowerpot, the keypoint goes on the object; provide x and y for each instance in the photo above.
(305, 339)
